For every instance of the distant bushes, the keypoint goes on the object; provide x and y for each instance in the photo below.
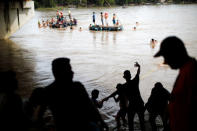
(54, 3)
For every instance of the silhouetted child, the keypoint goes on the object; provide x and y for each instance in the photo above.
(95, 94)
(157, 105)
(123, 103)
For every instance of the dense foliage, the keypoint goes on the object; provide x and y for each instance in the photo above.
(53, 3)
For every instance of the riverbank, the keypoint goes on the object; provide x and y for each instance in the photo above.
(96, 6)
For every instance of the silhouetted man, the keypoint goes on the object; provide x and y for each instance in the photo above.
(157, 105)
(69, 102)
(136, 104)
(183, 101)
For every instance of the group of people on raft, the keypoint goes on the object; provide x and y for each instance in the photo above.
(104, 16)
(105, 26)
(60, 21)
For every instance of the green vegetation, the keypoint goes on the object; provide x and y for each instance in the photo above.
(81, 3)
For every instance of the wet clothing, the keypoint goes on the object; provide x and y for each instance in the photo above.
(183, 102)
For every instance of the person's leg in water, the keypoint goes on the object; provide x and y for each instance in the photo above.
(131, 114)
(141, 118)
(118, 120)
(165, 120)
(123, 116)
(152, 118)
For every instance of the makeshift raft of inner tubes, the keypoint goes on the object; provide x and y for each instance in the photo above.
(106, 28)
(62, 25)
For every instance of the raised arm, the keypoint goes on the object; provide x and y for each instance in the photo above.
(138, 71)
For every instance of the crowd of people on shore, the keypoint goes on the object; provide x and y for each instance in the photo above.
(71, 108)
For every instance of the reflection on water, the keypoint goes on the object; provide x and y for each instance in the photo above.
(13, 57)
(99, 58)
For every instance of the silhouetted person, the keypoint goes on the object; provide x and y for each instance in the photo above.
(123, 103)
(157, 105)
(95, 94)
(182, 105)
(69, 102)
(136, 104)
(12, 116)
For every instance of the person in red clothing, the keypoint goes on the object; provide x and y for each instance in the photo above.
(183, 99)
(106, 17)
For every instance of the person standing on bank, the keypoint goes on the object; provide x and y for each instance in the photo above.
(123, 104)
(183, 99)
(157, 105)
(136, 104)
